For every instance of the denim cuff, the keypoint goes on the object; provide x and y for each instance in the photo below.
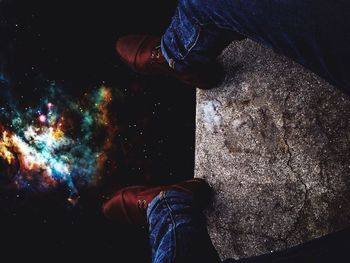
(172, 61)
(171, 197)
(167, 56)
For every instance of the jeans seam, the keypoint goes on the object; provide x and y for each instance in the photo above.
(153, 207)
(201, 25)
(188, 50)
(174, 226)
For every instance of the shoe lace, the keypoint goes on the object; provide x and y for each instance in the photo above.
(156, 52)
(142, 204)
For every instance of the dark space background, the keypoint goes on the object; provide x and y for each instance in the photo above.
(72, 43)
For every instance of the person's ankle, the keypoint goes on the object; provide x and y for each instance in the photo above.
(143, 55)
(129, 205)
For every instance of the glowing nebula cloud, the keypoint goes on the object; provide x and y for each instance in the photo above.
(62, 141)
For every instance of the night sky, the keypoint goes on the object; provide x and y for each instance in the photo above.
(72, 45)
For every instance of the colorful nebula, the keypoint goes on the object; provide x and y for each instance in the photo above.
(63, 141)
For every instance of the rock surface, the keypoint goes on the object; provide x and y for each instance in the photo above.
(273, 141)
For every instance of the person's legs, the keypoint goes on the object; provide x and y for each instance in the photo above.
(196, 36)
(178, 233)
(177, 230)
(177, 227)
(315, 33)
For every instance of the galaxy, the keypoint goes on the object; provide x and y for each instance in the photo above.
(58, 66)
(61, 141)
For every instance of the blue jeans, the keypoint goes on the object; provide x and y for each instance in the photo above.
(315, 33)
(178, 234)
(177, 230)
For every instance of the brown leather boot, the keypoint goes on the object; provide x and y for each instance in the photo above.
(129, 205)
(142, 54)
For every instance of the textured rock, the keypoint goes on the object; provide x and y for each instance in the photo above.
(273, 141)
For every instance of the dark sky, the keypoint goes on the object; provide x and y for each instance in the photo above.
(75, 39)
(72, 42)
